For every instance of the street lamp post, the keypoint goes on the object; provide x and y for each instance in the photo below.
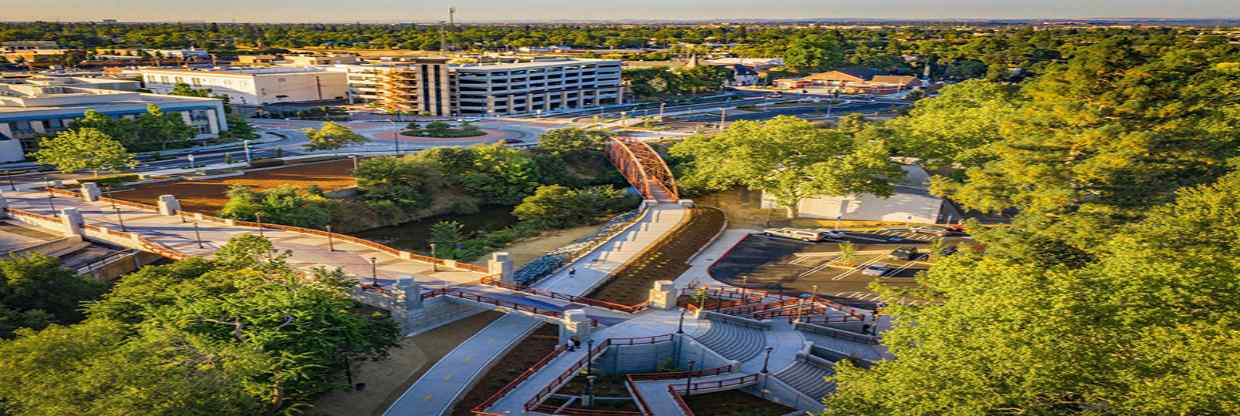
(331, 247)
(434, 265)
(197, 236)
(662, 106)
(767, 360)
(119, 219)
(259, 217)
(723, 117)
(680, 328)
(744, 286)
(374, 272)
(589, 357)
(246, 144)
(50, 202)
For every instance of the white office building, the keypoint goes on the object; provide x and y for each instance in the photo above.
(34, 108)
(911, 202)
(251, 86)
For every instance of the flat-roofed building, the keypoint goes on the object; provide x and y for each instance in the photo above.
(414, 86)
(319, 60)
(33, 108)
(536, 86)
(258, 86)
(27, 45)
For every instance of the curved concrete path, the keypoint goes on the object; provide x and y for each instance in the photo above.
(437, 391)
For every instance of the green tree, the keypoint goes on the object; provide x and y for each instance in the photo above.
(159, 130)
(1149, 325)
(813, 52)
(955, 128)
(184, 90)
(242, 334)
(555, 206)
(572, 141)
(286, 205)
(36, 291)
(83, 149)
(447, 232)
(407, 182)
(1116, 130)
(787, 157)
(332, 136)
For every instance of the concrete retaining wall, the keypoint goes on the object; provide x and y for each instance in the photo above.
(771, 388)
(736, 320)
(703, 358)
(838, 334)
(644, 358)
(438, 311)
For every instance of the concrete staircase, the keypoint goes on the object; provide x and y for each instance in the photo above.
(733, 341)
(808, 378)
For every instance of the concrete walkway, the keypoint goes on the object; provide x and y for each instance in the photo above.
(307, 251)
(437, 390)
(699, 267)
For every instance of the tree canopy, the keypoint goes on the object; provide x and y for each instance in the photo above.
(788, 157)
(36, 291)
(332, 136)
(83, 149)
(244, 334)
(1149, 325)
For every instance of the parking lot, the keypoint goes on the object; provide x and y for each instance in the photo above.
(793, 266)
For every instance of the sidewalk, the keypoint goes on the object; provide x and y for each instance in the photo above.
(438, 389)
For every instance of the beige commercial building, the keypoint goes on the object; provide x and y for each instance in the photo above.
(254, 86)
(419, 86)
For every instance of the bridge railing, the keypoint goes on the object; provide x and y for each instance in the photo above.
(336, 236)
(562, 296)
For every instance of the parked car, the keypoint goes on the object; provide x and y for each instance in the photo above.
(877, 270)
(932, 230)
(906, 254)
(795, 233)
(513, 141)
(947, 251)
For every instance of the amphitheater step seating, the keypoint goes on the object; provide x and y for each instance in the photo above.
(807, 378)
(733, 341)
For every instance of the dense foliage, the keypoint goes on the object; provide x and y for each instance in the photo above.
(282, 205)
(555, 206)
(649, 83)
(35, 291)
(153, 130)
(83, 149)
(789, 158)
(1114, 289)
(949, 50)
(242, 334)
(331, 136)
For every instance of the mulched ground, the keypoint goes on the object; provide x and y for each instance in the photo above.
(523, 356)
(208, 196)
(734, 403)
(666, 261)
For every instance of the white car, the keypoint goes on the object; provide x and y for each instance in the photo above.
(794, 233)
(877, 270)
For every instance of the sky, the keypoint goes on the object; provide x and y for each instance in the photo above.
(547, 10)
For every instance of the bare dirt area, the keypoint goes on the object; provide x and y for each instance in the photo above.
(665, 261)
(734, 403)
(208, 196)
(386, 380)
(524, 355)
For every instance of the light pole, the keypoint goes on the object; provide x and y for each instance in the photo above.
(723, 117)
(589, 357)
(50, 202)
(119, 219)
(434, 265)
(12, 185)
(662, 105)
(191, 160)
(680, 328)
(767, 360)
(396, 133)
(246, 145)
(259, 217)
(197, 236)
(374, 272)
(837, 221)
(813, 298)
(331, 247)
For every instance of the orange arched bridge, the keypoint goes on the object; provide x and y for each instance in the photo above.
(642, 166)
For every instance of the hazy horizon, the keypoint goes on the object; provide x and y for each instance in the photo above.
(489, 11)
